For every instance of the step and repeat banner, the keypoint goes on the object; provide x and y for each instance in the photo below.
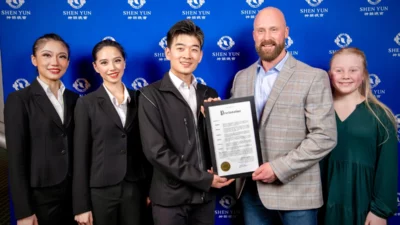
(318, 28)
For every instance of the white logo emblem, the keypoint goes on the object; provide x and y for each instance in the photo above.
(136, 4)
(374, 80)
(374, 2)
(343, 40)
(288, 42)
(195, 4)
(227, 201)
(81, 85)
(163, 43)
(225, 43)
(15, 4)
(109, 38)
(397, 39)
(314, 3)
(20, 84)
(139, 83)
(76, 4)
(255, 3)
(200, 80)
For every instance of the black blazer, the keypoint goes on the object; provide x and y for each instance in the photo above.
(105, 152)
(39, 145)
(175, 144)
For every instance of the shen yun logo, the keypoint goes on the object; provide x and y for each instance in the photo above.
(196, 14)
(255, 3)
(136, 4)
(395, 51)
(139, 83)
(315, 11)
(196, 4)
(20, 84)
(343, 40)
(227, 202)
(374, 81)
(226, 43)
(314, 3)
(374, 9)
(77, 14)
(14, 14)
(289, 42)
(81, 85)
(374, 2)
(161, 55)
(163, 43)
(137, 15)
(15, 4)
(251, 14)
(76, 4)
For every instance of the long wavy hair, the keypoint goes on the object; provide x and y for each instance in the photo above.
(365, 89)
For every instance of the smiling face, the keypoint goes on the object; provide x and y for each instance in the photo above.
(51, 59)
(110, 64)
(347, 73)
(184, 54)
(269, 34)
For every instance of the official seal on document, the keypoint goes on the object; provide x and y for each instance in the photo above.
(225, 166)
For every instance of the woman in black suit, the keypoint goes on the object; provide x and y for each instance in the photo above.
(109, 184)
(39, 130)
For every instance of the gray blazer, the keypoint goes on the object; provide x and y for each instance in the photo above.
(297, 129)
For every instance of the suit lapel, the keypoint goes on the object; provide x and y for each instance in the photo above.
(132, 110)
(251, 79)
(107, 106)
(277, 88)
(45, 104)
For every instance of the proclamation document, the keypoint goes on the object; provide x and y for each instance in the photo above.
(233, 137)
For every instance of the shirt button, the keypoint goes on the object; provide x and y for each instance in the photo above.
(123, 136)
(123, 151)
(63, 152)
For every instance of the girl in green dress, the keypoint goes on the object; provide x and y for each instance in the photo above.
(360, 174)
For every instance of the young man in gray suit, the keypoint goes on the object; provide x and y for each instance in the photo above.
(296, 126)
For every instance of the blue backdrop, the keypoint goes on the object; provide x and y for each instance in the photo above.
(318, 28)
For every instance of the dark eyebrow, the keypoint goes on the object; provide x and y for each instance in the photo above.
(181, 44)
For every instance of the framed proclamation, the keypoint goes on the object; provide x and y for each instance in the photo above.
(232, 130)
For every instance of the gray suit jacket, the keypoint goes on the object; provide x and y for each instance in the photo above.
(297, 129)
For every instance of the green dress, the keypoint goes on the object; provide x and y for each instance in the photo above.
(360, 174)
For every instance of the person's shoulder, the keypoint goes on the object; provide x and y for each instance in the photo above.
(304, 68)
(71, 94)
(243, 72)
(208, 88)
(151, 87)
(23, 94)
(90, 97)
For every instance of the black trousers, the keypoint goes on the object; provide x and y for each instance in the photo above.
(194, 214)
(53, 205)
(121, 204)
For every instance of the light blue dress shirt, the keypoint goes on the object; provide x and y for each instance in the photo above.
(264, 84)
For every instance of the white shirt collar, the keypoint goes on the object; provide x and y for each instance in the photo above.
(127, 97)
(46, 87)
(180, 83)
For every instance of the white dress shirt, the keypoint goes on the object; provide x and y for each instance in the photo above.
(58, 102)
(187, 92)
(120, 108)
